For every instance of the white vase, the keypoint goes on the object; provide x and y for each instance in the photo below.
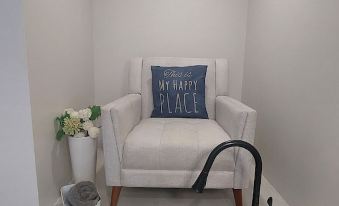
(83, 152)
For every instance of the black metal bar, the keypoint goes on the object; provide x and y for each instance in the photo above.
(200, 183)
(270, 201)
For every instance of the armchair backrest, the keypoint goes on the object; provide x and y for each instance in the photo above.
(140, 79)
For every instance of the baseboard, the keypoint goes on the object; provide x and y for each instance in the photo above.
(266, 191)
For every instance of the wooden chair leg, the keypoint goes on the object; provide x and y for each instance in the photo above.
(115, 195)
(237, 193)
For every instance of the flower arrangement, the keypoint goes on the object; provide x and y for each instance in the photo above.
(78, 123)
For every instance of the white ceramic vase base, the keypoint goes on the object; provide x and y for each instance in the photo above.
(83, 153)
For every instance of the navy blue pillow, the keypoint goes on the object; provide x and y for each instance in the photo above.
(179, 92)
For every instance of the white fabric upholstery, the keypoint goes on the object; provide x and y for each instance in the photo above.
(231, 116)
(118, 119)
(239, 121)
(171, 152)
(175, 144)
(135, 76)
(221, 77)
(174, 179)
(146, 82)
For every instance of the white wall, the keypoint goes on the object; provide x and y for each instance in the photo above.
(17, 173)
(291, 79)
(59, 53)
(192, 28)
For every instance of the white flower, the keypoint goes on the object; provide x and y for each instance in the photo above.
(94, 132)
(80, 134)
(74, 114)
(69, 110)
(85, 113)
(87, 125)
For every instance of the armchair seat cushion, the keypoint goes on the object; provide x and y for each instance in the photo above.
(175, 144)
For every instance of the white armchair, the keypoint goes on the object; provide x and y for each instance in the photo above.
(141, 151)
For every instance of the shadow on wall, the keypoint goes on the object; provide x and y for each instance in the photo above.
(59, 154)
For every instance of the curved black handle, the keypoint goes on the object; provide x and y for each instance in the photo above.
(200, 183)
(270, 201)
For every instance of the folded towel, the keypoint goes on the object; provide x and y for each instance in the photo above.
(83, 194)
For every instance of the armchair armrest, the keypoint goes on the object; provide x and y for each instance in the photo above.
(118, 119)
(239, 121)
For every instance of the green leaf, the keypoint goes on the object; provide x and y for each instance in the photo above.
(58, 120)
(59, 124)
(60, 134)
(96, 112)
(61, 119)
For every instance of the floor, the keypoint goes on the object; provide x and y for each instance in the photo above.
(163, 197)
(178, 197)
